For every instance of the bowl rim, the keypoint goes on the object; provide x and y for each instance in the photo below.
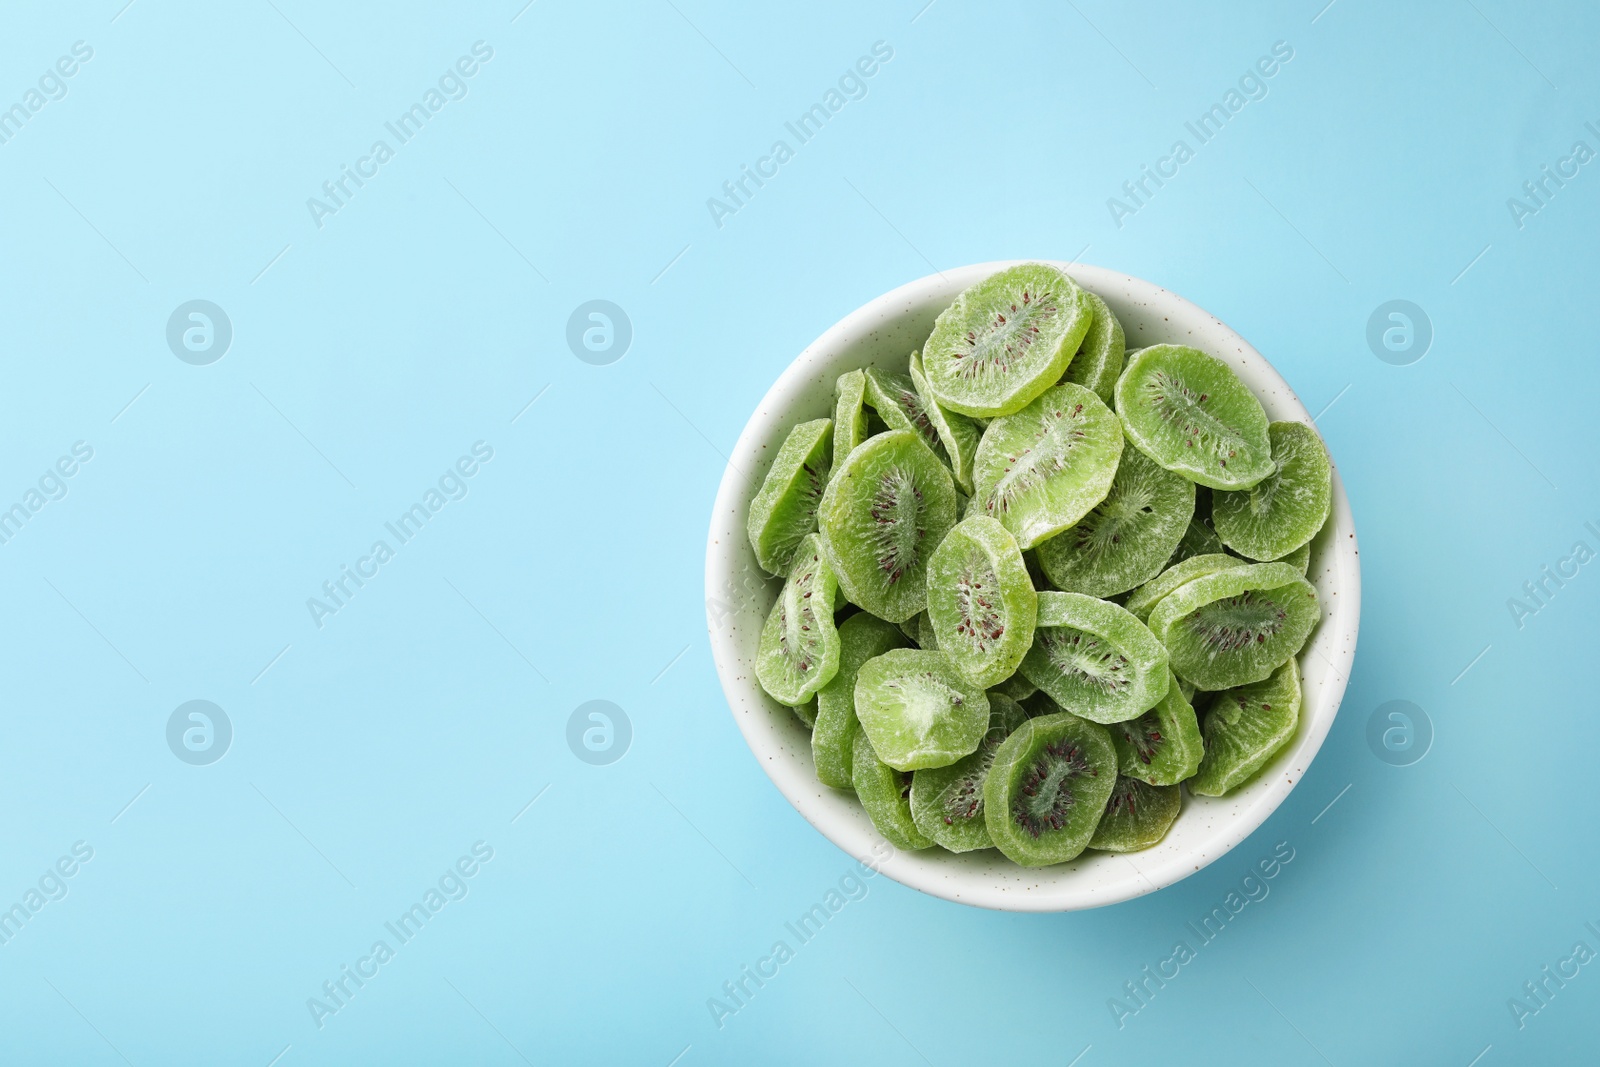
(1049, 889)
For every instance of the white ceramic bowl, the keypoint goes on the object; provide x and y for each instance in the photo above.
(739, 595)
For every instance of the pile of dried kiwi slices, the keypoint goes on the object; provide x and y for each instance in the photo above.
(1036, 584)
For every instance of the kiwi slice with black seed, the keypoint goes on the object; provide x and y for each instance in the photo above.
(958, 433)
(1285, 509)
(1095, 659)
(981, 602)
(885, 510)
(849, 413)
(785, 508)
(1127, 538)
(885, 793)
(861, 637)
(918, 710)
(1047, 789)
(1137, 816)
(1162, 746)
(1244, 728)
(947, 802)
(798, 651)
(1040, 470)
(1005, 340)
(1144, 599)
(1236, 626)
(896, 400)
(1190, 413)
(1098, 362)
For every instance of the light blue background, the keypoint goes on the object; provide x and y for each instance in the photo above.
(426, 714)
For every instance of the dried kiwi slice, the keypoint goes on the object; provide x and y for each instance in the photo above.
(1286, 508)
(1128, 537)
(1200, 539)
(947, 802)
(849, 413)
(981, 601)
(957, 433)
(1143, 600)
(894, 397)
(798, 652)
(1095, 659)
(861, 637)
(1245, 728)
(785, 508)
(1162, 746)
(1042, 469)
(917, 709)
(1299, 559)
(1137, 816)
(885, 510)
(807, 713)
(1006, 340)
(886, 795)
(1099, 359)
(1190, 413)
(1048, 788)
(1236, 626)
(1017, 687)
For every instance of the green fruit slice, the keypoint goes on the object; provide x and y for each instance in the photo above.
(1286, 508)
(894, 397)
(980, 600)
(927, 636)
(1236, 626)
(958, 434)
(884, 512)
(1245, 728)
(886, 795)
(1137, 816)
(807, 713)
(798, 652)
(1006, 340)
(1099, 360)
(849, 413)
(1190, 413)
(1162, 746)
(1047, 789)
(1126, 538)
(1095, 659)
(1144, 599)
(947, 802)
(861, 637)
(1042, 469)
(917, 709)
(785, 508)
(1199, 539)
(1017, 687)
(1299, 559)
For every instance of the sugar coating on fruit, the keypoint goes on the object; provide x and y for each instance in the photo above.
(1042, 469)
(785, 508)
(798, 651)
(1190, 413)
(1005, 340)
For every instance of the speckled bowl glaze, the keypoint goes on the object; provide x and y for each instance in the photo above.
(739, 595)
